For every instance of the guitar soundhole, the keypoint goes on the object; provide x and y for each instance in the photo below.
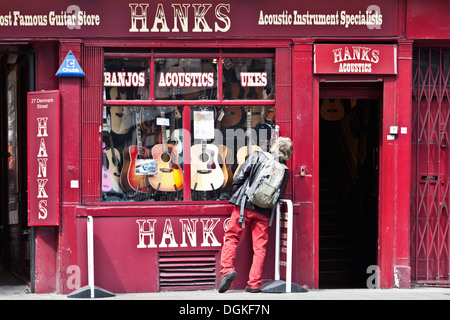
(165, 157)
(204, 157)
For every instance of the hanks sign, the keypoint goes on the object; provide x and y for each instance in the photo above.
(43, 158)
(355, 59)
(230, 18)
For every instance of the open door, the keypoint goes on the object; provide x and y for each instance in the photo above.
(350, 116)
(15, 248)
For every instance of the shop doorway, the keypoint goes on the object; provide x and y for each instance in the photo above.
(15, 244)
(348, 186)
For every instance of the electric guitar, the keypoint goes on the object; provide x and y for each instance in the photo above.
(130, 180)
(247, 150)
(170, 175)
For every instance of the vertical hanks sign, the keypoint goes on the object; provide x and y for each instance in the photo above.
(43, 158)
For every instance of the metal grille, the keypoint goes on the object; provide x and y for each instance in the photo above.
(91, 90)
(187, 271)
(430, 234)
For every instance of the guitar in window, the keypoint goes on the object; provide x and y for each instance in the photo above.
(132, 178)
(170, 176)
(206, 173)
(249, 148)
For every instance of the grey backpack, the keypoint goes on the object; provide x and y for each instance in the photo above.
(265, 189)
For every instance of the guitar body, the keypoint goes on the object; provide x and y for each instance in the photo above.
(233, 117)
(269, 113)
(114, 173)
(129, 180)
(332, 110)
(106, 180)
(243, 154)
(170, 176)
(121, 120)
(224, 152)
(206, 173)
(176, 140)
(249, 148)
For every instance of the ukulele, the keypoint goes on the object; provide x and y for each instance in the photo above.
(247, 150)
(170, 175)
(206, 173)
(130, 180)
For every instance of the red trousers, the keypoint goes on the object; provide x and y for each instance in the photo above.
(259, 226)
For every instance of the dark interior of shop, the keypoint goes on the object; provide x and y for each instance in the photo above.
(15, 245)
(348, 195)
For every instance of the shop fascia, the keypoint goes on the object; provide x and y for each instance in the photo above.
(139, 13)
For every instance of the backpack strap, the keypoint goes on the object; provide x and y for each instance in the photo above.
(272, 211)
(242, 197)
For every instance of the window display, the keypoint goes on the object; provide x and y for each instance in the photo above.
(153, 149)
(143, 148)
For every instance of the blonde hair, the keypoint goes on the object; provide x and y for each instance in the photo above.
(283, 148)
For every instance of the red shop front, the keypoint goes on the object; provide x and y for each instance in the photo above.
(155, 105)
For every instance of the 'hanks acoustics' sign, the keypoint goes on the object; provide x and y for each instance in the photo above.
(355, 59)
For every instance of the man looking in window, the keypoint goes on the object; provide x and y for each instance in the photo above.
(255, 217)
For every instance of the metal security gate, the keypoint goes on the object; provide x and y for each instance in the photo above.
(430, 198)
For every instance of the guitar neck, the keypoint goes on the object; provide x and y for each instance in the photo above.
(249, 134)
(164, 134)
(138, 132)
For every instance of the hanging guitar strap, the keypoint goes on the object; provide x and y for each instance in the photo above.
(242, 197)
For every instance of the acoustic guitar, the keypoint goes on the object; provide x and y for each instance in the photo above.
(249, 148)
(170, 175)
(264, 131)
(175, 136)
(225, 154)
(332, 110)
(233, 117)
(113, 158)
(130, 180)
(106, 181)
(206, 173)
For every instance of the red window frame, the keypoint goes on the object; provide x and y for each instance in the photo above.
(92, 155)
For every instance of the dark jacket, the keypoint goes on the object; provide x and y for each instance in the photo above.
(251, 168)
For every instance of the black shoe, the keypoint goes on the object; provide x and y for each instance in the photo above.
(248, 289)
(226, 281)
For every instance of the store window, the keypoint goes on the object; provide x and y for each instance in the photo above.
(185, 126)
